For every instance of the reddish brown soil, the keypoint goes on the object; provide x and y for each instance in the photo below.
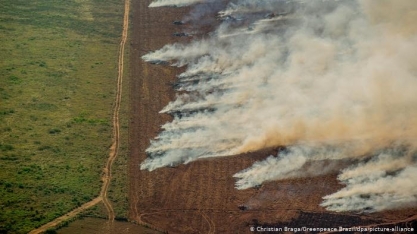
(100, 226)
(200, 197)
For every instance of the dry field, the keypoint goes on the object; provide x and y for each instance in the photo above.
(200, 197)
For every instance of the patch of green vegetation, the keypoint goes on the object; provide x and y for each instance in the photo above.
(57, 86)
(118, 190)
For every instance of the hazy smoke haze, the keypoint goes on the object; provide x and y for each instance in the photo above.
(179, 3)
(330, 80)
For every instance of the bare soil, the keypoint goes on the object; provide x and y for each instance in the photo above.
(200, 197)
(100, 226)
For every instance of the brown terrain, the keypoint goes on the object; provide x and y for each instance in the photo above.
(100, 226)
(200, 197)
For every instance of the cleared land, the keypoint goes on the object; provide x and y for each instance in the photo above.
(97, 226)
(200, 197)
(58, 68)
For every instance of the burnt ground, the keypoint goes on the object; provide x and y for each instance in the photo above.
(99, 226)
(200, 197)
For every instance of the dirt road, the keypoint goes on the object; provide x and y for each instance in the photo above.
(67, 216)
(114, 149)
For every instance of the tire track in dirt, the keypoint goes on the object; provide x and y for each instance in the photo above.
(114, 149)
(212, 226)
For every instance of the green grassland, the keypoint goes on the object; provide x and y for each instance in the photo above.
(58, 70)
(118, 189)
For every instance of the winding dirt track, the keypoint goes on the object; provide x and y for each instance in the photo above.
(114, 149)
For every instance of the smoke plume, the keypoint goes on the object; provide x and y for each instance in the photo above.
(177, 3)
(330, 80)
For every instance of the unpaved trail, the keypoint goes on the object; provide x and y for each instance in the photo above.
(67, 216)
(114, 149)
(212, 226)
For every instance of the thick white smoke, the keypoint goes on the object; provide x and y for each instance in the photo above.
(331, 80)
(178, 3)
